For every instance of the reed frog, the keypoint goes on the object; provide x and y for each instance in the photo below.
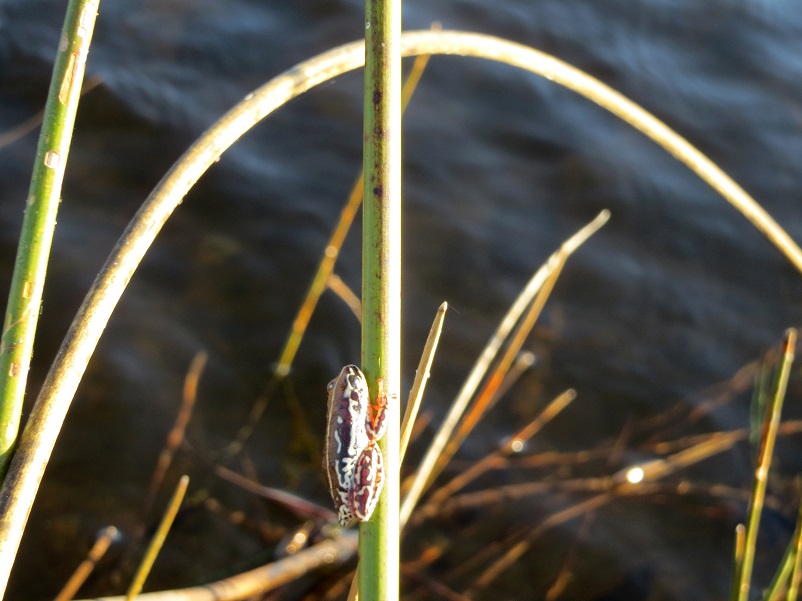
(352, 460)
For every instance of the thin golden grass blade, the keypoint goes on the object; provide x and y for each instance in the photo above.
(489, 393)
(522, 436)
(319, 281)
(289, 501)
(740, 545)
(523, 362)
(20, 130)
(796, 574)
(565, 574)
(711, 444)
(423, 475)
(176, 435)
(82, 572)
(353, 592)
(158, 539)
(515, 551)
(482, 499)
(768, 437)
(326, 267)
(785, 582)
(348, 296)
(421, 377)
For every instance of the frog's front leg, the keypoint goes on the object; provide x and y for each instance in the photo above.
(376, 424)
(368, 481)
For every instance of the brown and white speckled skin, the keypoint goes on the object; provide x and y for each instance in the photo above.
(352, 460)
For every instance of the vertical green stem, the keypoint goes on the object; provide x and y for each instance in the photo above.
(381, 279)
(25, 295)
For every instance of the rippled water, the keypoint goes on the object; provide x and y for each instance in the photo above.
(675, 294)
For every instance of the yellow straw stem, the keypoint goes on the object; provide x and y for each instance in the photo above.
(158, 539)
(771, 424)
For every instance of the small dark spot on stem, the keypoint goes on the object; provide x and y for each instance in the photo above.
(377, 97)
(378, 191)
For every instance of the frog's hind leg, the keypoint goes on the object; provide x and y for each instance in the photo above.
(368, 481)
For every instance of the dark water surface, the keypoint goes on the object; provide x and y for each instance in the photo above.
(677, 293)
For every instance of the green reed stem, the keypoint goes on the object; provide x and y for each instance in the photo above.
(743, 573)
(381, 280)
(39, 221)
